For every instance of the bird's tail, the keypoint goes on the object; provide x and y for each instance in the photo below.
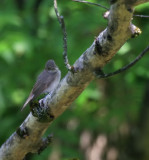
(27, 101)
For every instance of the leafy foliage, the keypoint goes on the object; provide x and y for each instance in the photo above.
(109, 111)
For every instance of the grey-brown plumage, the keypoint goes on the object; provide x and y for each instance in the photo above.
(46, 81)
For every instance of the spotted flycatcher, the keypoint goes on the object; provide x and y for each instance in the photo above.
(47, 81)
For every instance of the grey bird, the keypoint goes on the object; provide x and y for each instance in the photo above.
(47, 81)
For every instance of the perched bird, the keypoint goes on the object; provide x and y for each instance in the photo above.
(47, 81)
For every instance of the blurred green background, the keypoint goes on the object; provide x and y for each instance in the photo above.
(109, 120)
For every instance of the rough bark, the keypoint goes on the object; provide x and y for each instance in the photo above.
(28, 138)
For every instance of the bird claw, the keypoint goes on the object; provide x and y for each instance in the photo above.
(41, 113)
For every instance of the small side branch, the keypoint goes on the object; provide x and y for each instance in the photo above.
(62, 23)
(99, 5)
(45, 143)
(125, 67)
(142, 16)
(95, 4)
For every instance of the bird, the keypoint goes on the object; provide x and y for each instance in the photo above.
(46, 82)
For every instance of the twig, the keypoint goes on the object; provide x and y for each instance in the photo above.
(99, 5)
(62, 23)
(142, 16)
(125, 67)
(45, 143)
(95, 4)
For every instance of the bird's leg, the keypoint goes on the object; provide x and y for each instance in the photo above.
(22, 132)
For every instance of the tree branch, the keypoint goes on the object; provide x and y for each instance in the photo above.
(107, 75)
(142, 16)
(62, 24)
(135, 2)
(70, 87)
(95, 4)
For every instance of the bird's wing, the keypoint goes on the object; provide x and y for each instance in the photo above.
(31, 96)
(44, 80)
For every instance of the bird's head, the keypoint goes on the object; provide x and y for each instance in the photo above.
(50, 65)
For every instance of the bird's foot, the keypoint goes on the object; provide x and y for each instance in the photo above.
(41, 112)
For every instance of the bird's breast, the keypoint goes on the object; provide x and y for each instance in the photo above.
(54, 83)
